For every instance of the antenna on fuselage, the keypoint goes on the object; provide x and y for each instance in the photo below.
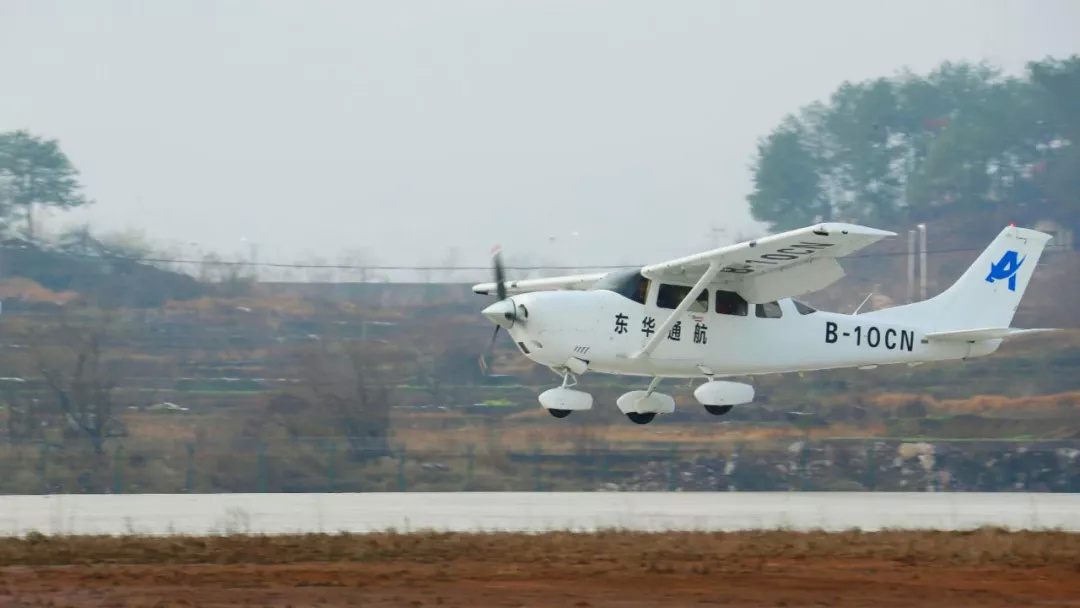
(865, 300)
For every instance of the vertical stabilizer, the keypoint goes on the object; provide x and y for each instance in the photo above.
(986, 295)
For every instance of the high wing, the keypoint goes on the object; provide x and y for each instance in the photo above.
(763, 270)
(778, 266)
(576, 282)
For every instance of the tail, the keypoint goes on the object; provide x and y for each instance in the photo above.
(986, 296)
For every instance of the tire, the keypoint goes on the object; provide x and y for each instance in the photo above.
(718, 410)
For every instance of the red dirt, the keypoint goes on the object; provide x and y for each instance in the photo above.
(619, 569)
(463, 583)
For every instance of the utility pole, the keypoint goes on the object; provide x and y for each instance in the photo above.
(911, 266)
(922, 261)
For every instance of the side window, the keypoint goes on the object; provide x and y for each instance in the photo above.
(730, 303)
(670, 296)
(804, 309)
(769, 310)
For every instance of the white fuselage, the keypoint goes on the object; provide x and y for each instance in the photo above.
(607, 330)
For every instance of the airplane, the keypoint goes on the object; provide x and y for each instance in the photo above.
(733, 311)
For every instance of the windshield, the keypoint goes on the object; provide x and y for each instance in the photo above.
(627, 283)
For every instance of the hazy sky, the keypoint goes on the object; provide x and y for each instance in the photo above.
(409, 128)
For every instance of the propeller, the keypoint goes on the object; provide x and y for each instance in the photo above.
(500, 275)
(502, 312)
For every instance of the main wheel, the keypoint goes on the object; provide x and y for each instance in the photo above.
(718, 410)
(637, 418)
(559, 413)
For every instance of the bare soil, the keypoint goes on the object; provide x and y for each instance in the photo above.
(626, 569)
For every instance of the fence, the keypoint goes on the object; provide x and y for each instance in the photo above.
(340, 465)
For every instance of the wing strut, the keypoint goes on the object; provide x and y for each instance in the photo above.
(691, 296)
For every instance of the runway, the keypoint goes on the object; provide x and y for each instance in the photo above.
(159, 514)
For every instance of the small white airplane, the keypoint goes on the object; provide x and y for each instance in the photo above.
(730, 312)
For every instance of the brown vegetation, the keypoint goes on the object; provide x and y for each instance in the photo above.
(348, 365)
(892, 402)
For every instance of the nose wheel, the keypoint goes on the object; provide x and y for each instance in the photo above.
(561, 401)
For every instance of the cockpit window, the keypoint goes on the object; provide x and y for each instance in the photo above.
(730, 303)
(670, 296)
(627, 283)
(803, 308)
(769, 310)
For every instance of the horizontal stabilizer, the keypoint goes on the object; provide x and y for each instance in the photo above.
(976, 335)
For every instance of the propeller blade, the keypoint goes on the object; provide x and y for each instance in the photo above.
(500, 291)
(487, 351)
(500, 276)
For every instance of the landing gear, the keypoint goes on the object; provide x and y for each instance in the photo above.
(719, 396)
(560, 401)
(642, 406)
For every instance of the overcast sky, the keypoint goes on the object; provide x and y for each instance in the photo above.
(409, 128)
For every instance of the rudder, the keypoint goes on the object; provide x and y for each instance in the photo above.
(987, 294)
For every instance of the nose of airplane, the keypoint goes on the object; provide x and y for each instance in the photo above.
(501, 313)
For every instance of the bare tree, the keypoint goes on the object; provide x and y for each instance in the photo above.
(79, 379)
(316, 269)
(348, 390)
(357, 262)
(25, 414)
(451, 263)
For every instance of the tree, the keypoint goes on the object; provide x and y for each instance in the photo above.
(356, 263)
(961, 140)
(71, 357)
(788, 190)
(1059, 90)
(25, 415)
(34, 171)
(348, 389)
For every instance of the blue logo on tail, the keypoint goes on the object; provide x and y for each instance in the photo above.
(1006, 268)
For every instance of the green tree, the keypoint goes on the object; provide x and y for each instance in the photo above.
(962, 139)
(35, 172)
(787, 189)
(1059, 89)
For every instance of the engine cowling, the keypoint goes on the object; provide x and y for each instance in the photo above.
(723, 392)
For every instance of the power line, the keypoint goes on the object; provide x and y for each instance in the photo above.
(154, 260)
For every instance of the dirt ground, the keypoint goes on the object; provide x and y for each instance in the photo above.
(987, 568)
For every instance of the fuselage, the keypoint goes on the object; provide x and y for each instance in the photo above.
(606, 330)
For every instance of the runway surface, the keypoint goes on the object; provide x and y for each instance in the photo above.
(529, 512)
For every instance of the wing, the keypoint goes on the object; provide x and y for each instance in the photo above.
(569, 282)
(778, 266)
